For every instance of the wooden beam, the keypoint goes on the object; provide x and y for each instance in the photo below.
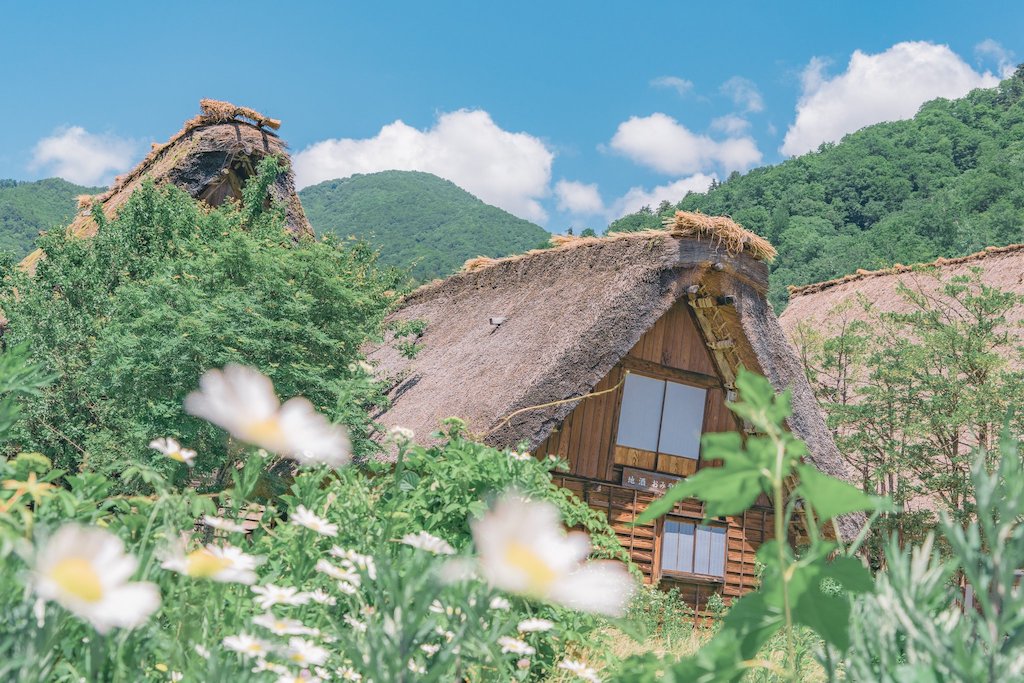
(646, 367)
(742, 266)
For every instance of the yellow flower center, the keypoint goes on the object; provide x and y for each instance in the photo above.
(539, 575)
(77, 576)
(265, 432)
(204, 564)
(176, 455)
(254, 647)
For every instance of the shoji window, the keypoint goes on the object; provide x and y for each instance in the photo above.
(689, 548)
(661, 416)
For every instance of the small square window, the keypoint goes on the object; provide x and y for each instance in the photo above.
(690, 548)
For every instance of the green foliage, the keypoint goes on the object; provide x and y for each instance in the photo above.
(796, 590)
(26, 208)
(911, 393)
(128, 321)
(913, 626)
(946, 183)
(399, 612)
(417, 221)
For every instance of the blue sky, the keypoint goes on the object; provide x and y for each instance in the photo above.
(564, 113)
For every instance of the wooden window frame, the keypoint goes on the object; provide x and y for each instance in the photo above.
(689, 577)
(665, 375)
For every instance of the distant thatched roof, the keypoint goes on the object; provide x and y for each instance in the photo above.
(824, 306)
(567, 316)
(210, 158)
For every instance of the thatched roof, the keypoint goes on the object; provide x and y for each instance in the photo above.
(825, 306)
(210, 158)
(568, 315)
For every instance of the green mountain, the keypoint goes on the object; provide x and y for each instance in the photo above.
(948, 182)
(28, 207)
(417, 220)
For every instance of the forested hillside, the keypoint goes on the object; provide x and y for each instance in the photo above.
(948, 182)
(417, 220)
(27, 208)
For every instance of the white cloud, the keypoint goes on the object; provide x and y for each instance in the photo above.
(888, 86)
(993, 50)
(638, 197)
(744, 93)
(680, 85)
(578, 198)
(81, 157)
(662, 143)
(510, 170)
(730, 124)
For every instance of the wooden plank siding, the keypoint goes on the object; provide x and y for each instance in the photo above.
(672, 349)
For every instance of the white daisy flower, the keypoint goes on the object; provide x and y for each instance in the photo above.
(305, 652)
(523, 549)
(284, 627)
(222, 524)
(355, 624)
(302, 516)
(270, 595)
(263, 665)
(347, 673)
(515, 646)
(430, 649)
(249, 646)
(346, 574)
(499, 602)
(356, 560)
(173, 450)
(202, 651)
(225, 564)
(321, 597)
(580, 669)
(242, 401)
(535, 625)
(86, 570)
(347, 588)
(297, 677)
(444, 633)
(400, 436)
(417, 668)
(432, 544)
(516, 455)
(177, 676)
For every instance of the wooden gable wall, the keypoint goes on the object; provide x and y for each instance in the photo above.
(674, 349)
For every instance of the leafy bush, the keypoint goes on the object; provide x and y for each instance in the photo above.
(353, 575)
(129, 319)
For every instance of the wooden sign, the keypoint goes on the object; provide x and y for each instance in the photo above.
(644, 480)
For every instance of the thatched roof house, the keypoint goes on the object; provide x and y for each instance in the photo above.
(210, 158)
(569, 314)
(511, 345)
(822, 308)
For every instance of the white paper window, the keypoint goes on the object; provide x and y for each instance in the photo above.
(681, 420)
(641, 412)
(661, 416)
(693, 549)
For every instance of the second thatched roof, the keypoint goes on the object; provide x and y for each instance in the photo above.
(211, 157)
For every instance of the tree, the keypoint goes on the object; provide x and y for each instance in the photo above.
(910, 394)
(170, 289)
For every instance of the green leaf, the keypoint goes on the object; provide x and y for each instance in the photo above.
(725, 491)
(831, 497)
(851, 574)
